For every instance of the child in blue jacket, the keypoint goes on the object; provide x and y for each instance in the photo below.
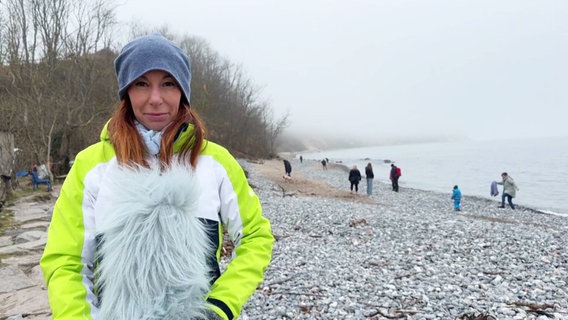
(456, 196)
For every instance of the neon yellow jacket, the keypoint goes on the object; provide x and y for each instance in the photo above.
(68, 259)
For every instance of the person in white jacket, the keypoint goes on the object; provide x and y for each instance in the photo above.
(509, 190)
(137, 230)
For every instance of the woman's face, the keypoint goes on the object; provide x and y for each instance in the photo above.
(155, 99)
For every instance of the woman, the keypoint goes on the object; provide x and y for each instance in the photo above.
(509, 190)
(137, 230)
(354, 178)
(370, 176)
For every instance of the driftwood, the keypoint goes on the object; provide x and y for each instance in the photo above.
(396, 314)
(357, 221)
(286, 194)
(26, 315)
(407, 314)
(481, 316)
(281, 281)
(535, 307)
(291, 293)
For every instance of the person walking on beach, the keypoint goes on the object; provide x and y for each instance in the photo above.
(456, 196)
(509, 190)
(287, 168)
(138, 226)
(324, 164)
(370, 176)
(301, 159)
(394, 176)
(354, 178)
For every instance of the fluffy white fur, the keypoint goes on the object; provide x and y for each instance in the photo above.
(154, 248)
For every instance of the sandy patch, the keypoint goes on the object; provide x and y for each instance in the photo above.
(300, 185)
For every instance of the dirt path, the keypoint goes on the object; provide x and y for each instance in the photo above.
(300, 185)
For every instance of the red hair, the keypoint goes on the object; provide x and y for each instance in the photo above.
(130, 148)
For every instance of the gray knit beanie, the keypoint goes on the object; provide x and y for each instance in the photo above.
(152, 52)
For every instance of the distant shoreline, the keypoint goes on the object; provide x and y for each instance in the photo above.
(341, 165)
(473, 165)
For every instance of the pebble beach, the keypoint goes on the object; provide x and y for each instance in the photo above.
(405, 255)
(408, 255)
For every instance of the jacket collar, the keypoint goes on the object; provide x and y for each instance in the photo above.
(184, 132)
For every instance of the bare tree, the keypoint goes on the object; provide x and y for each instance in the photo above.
(50, 17)
(57, 81)
(51, 53)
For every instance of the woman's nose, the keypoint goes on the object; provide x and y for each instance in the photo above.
(155, 95)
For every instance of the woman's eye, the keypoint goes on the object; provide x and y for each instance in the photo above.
(141, 83)
(170, 84)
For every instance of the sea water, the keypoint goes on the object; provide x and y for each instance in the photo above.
(539, 166)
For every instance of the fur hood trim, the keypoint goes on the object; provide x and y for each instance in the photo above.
(153, 248)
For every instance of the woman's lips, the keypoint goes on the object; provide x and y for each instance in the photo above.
(156, 116)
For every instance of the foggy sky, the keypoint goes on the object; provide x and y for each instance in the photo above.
(475, 69)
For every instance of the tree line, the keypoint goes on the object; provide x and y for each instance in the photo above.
(58, 87)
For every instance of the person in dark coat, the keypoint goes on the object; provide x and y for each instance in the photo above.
(369, 175)
(354, 178)
(287, 167)
(394, 175)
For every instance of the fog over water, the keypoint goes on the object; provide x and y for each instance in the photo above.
(539, 166)
(389, 69)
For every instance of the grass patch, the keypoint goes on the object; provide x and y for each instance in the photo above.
(6, 221)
